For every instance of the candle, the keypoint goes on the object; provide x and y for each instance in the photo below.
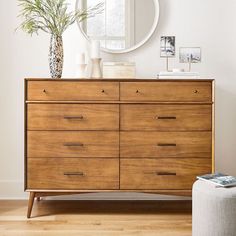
(80, 59)
(95, 49)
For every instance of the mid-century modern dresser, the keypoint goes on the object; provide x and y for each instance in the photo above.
(135, 135)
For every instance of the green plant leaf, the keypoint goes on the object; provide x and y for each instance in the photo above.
(52, 16)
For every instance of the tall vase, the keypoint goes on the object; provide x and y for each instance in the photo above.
(56, 56)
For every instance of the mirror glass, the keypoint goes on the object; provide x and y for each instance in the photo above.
(124, 25)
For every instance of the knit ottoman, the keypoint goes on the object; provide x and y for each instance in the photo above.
(214, 210)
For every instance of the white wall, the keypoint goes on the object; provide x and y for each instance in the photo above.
(143, 18)
(209, 24)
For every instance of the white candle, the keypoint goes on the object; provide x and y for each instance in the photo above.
(95, 49)
(80, 59)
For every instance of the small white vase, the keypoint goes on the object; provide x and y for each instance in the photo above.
(81, 71)
(96, 71)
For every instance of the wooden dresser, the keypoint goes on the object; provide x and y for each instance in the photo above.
(88, 135)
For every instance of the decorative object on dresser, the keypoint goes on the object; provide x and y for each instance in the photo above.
(167, 48)
(119, 70)
(115, 135)
(190, 55)
(80, 66)
(53, 17)
(178, 75)
(96, 71)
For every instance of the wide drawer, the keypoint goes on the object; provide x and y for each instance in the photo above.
(72, 173)
(72, 90)
(172, 91)
(73, 117)
(162, 174)
(165, 144)
(166, 117)
(72, 144)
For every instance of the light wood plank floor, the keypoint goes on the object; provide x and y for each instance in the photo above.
(96, 218)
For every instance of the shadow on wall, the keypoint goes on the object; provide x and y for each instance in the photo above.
(225, 147)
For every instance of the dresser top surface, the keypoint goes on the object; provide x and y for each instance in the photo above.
(120, 80)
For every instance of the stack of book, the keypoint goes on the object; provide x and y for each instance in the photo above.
(178, 75)
(219, 179)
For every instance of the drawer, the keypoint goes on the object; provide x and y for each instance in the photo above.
(55, 90)
(166, 117)
(172, 91)
(72, 173)
(73, 117)
(165, 144)
(72, 144)
(161, 174)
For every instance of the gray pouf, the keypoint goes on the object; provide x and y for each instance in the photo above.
(214, 210)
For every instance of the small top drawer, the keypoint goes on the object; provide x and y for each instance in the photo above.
(72, 90)
(163, 91)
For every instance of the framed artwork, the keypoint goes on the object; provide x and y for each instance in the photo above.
(190, 55)
(168, 46)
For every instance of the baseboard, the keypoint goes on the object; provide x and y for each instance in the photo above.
(14, 190)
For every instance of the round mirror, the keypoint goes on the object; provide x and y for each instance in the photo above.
(123, 25)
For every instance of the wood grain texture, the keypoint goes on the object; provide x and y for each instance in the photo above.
(30, 204)
(113, 135)
(213, 127)
(166, 173)
(54, 173)
(181, 117)
(72, 90)
(166, 91)
(63, 117)
(96, 218)
(165, 144)
(73, 144)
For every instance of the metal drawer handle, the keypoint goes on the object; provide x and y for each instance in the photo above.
(74, 173)
(166, 117)
(166, 144)
(73, 144)
(73, 117)
(166, 173)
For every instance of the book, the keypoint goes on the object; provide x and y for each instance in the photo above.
(219, 179)
(177, 75)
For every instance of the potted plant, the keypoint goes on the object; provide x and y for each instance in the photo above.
(52, 16)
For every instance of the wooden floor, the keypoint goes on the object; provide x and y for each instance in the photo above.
(96, 218)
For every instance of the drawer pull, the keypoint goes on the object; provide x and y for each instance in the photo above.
(44, 91)
(166, 173)
(73, 144)
(74, 174)
(103, 91)
(166, 117)
(137, 91)
(73, 117)
(166, 145)
(195, 91)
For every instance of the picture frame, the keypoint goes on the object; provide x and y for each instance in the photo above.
(167, 46)
(190, 55)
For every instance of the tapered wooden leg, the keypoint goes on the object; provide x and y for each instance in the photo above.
(30, 204)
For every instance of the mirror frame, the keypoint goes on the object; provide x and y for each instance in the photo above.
(136, 46)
